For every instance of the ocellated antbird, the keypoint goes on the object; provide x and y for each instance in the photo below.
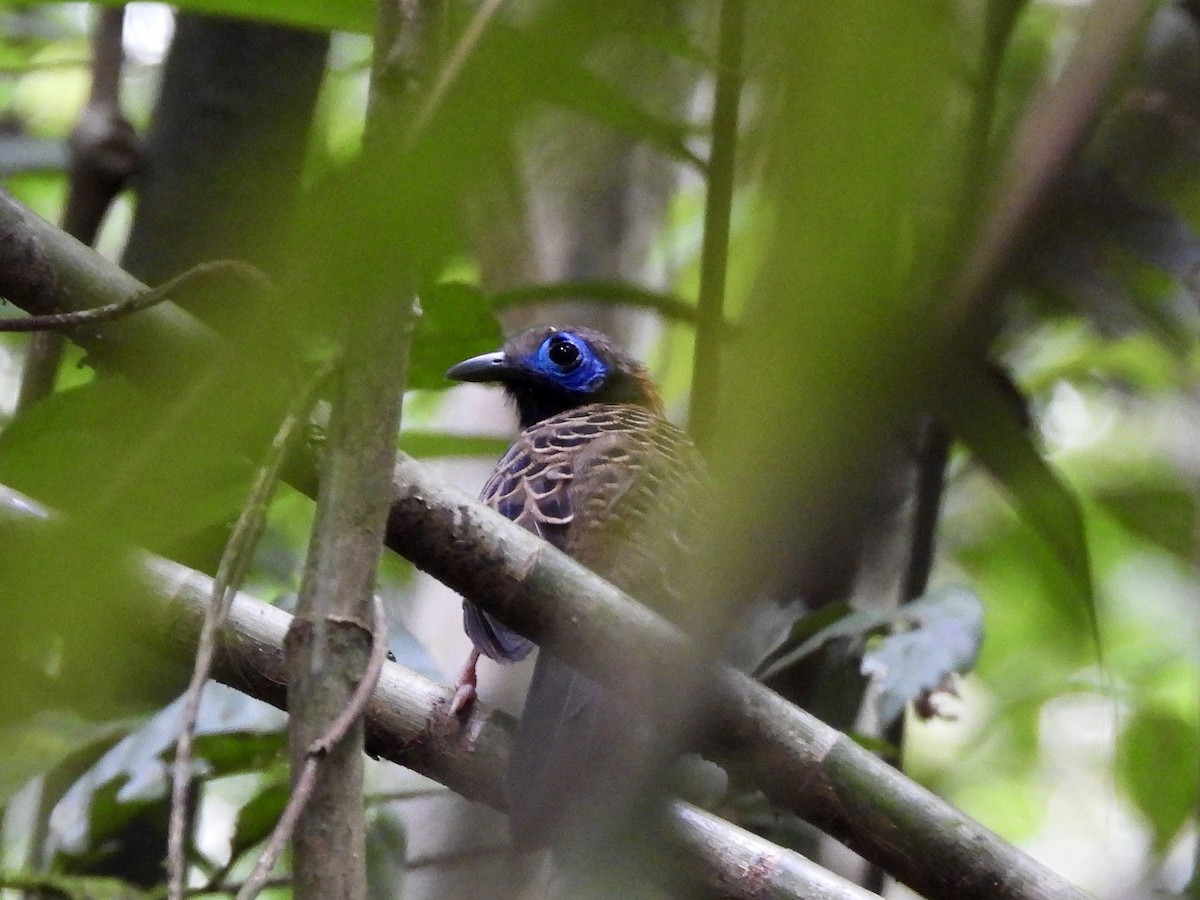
(600, 473)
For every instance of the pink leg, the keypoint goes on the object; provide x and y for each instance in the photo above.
(464, 695)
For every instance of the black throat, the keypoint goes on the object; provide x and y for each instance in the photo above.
(537, 401)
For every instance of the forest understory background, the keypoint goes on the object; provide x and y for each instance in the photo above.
(926, 296)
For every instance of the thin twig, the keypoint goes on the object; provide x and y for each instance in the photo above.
(317, 751)
(454, 64)
(218, 268)
(710, 317)
(667, 305)
(103, 148)
(230, 574)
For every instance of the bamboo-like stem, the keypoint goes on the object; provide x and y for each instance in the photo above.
(710, 315)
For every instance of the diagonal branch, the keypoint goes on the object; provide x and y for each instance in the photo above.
(797, 760)
(407, 722)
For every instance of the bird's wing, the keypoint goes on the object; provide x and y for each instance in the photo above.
(532, 486)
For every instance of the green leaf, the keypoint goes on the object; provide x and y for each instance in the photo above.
(235, 752)
(809, 634)
(668, 305)
(49, 739)
(426, 444)
(76, 634)
(542, 64)
(109, 817)
(94, 435)
(1158, 754)
(256, 820)
(456, 322)
(72, 887)
(1163, 514)
(985, 414)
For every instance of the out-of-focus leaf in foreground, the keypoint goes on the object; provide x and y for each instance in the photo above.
(456, 322)
(47, 739)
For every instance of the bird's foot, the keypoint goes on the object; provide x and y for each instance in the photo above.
(465, 693)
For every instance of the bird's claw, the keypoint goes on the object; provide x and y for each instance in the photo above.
(464, 699)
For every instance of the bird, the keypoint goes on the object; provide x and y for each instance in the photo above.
(599, 472)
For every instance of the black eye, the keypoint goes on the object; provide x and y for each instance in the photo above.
(563, 353)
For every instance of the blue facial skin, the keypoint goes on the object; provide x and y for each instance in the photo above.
(582, 377)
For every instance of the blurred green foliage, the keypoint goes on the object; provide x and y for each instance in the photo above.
(857, 162)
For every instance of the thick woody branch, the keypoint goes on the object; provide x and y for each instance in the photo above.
(407, 722)
(797, 760)
(43, 271)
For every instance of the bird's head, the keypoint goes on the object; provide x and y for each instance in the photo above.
(548, 370)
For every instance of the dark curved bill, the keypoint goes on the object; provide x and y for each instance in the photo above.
(487, 367)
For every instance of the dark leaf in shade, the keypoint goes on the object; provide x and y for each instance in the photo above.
(1125, 260)
(51, 739)
(256, 820)
(814, 631)
(923, 643)
(74, 887)
(1157, 764)
(982, 414)
(138, 760)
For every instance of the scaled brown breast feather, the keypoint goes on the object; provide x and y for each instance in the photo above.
(611, 485)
